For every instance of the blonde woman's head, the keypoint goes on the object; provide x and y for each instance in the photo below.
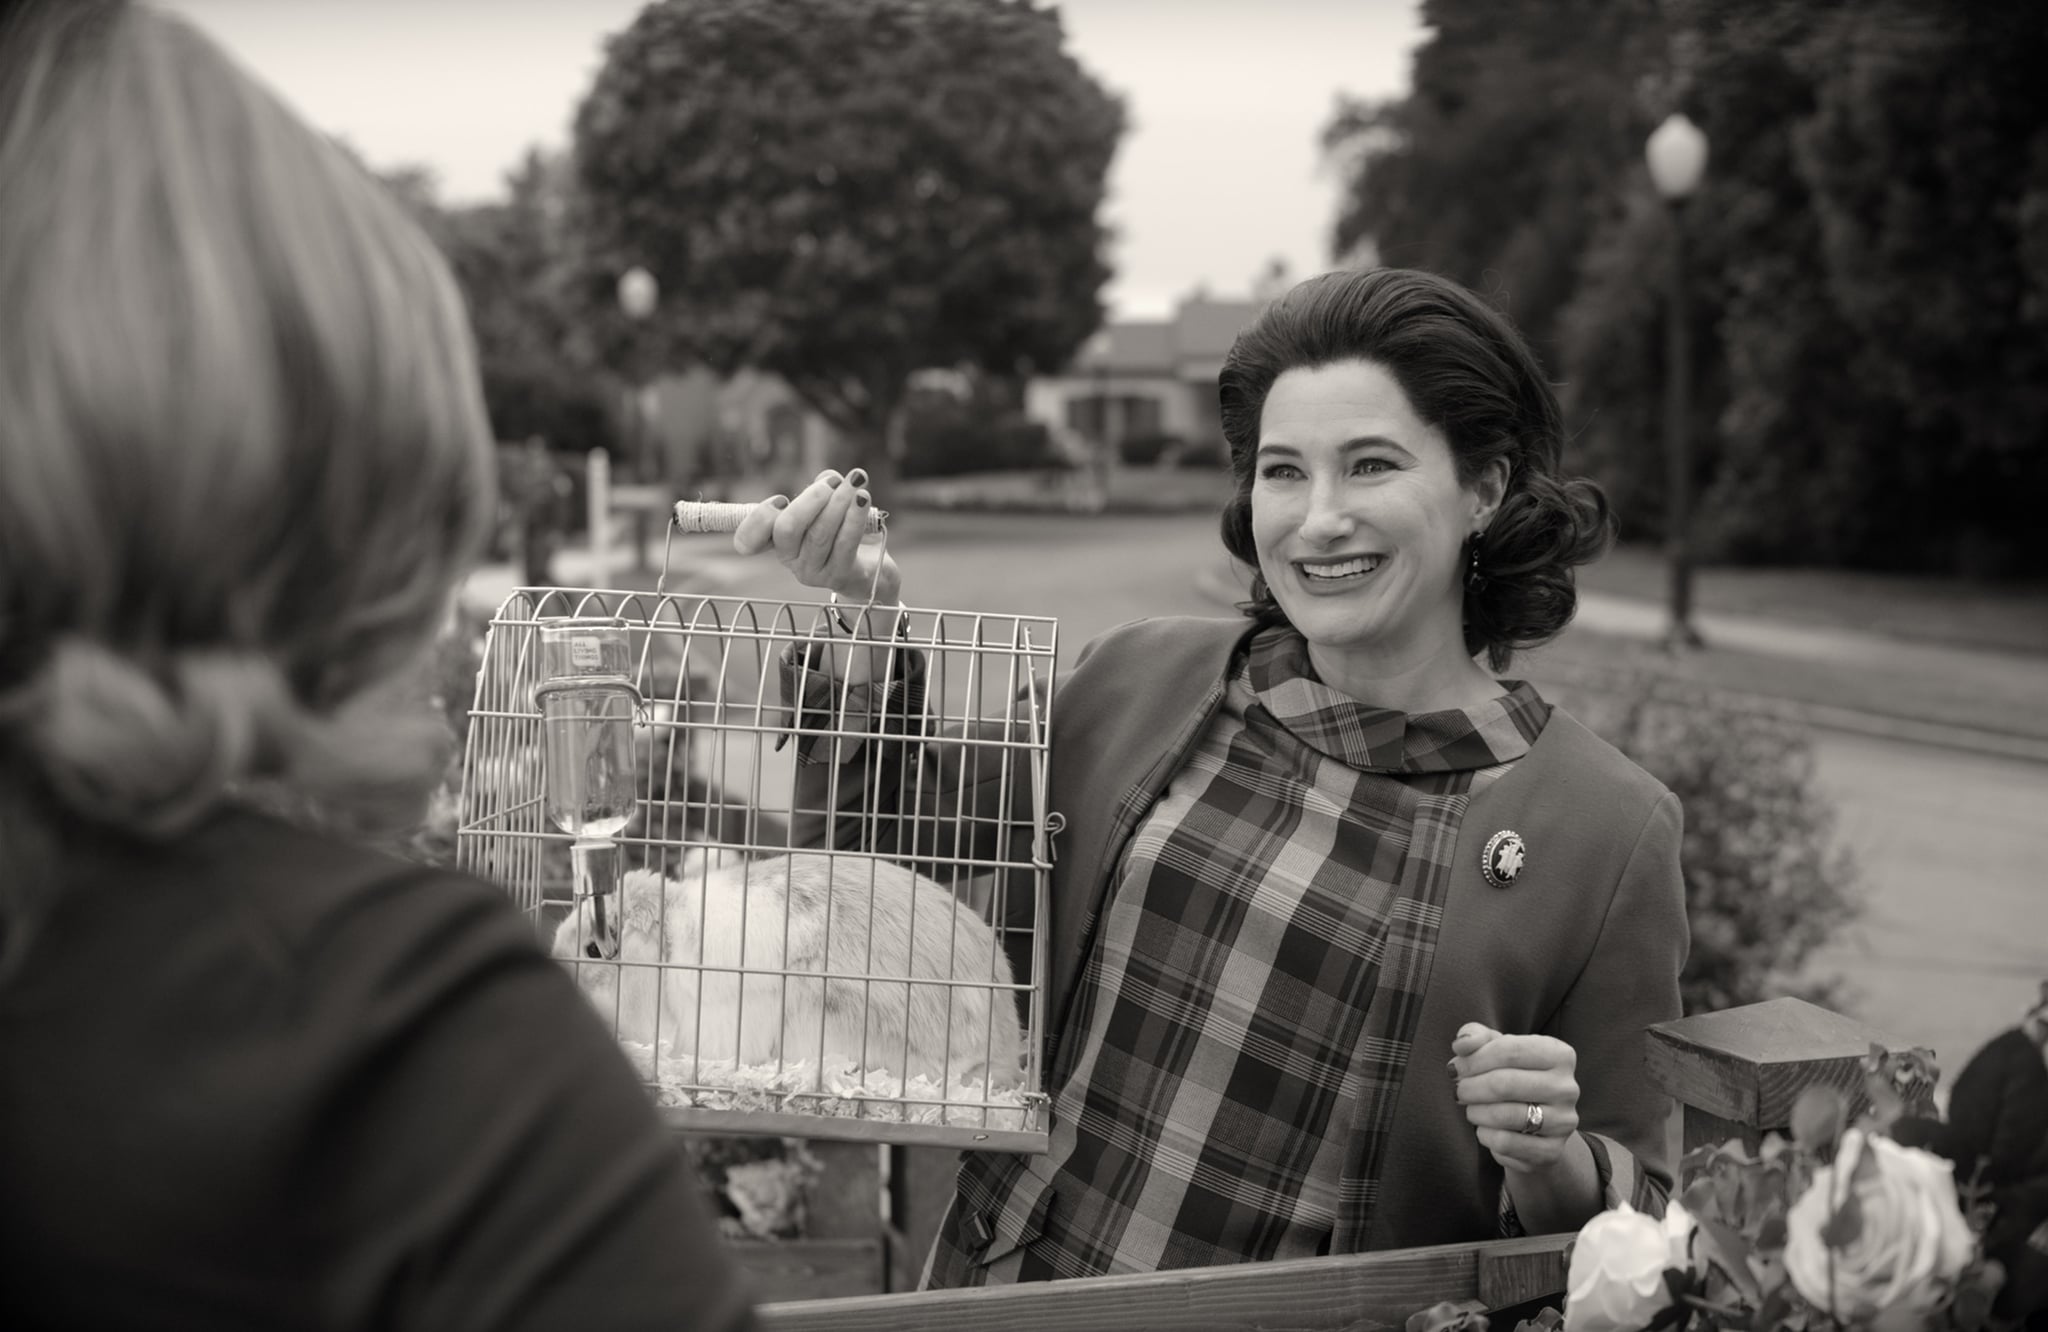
(243, 456)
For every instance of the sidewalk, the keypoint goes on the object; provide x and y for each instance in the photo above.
(1838, 679)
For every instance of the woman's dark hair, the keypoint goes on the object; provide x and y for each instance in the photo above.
(1468, 373)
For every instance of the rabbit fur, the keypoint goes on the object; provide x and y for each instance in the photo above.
(786, 906)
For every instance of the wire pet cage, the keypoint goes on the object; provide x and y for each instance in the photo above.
(805, 905)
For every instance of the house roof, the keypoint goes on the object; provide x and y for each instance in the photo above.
(1203, 329)
(1138, 346)
(1193, 342)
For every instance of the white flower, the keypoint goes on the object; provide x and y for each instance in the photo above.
(1908, 1240)
(1616, 1281)
(1679, 1229)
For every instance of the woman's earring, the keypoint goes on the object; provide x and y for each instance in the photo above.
(1474, 580)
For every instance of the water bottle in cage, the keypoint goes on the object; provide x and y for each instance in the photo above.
(588, 754)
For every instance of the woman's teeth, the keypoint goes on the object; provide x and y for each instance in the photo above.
(1328, 573)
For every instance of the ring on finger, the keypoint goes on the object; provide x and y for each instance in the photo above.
(1532, 1119)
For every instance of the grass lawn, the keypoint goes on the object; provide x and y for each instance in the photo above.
(1914, 608)
(2006, 697)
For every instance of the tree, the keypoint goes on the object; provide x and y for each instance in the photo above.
(1501, 162)
(1927, 158)
(842, 192)
(1868, 255)
(1868, 291)
(538, 367)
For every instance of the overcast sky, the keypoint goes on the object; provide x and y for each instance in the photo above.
(1218, 172)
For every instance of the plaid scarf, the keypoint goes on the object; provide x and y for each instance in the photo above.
(1227, 1081)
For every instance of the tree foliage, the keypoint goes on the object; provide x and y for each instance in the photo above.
(1499, 165)
(844, 191)
(540, 377)
(1867, 260)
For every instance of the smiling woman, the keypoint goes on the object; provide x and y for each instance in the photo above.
(1309, 851)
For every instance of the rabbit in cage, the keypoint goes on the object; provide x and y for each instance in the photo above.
(786, 906)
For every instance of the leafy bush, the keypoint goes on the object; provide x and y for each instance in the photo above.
(1765, 884)
(946, 437)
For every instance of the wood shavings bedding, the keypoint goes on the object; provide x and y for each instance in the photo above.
(845, 1092)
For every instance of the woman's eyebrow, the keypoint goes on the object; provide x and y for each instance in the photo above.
(1348, 446)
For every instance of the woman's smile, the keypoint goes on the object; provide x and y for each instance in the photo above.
(1326, 576)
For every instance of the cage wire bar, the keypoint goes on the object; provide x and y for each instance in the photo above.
(915, 912)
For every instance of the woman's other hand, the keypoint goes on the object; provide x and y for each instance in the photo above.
(1520, 1094)
(820, 536)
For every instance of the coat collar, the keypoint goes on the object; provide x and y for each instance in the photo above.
(1375, 739)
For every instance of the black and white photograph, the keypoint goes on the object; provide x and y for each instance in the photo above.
(903, 665)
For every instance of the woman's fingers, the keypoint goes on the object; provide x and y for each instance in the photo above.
(1531, 1052)
(1543, 1086)
(1499, 1077)
(756, 531)
(1559, 1121)
(1471, 1037)
(820, 535)
(845, 561)
(805, 532)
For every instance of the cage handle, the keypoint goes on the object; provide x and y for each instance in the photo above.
(697, 516)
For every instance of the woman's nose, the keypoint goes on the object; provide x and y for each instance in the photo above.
(1327, 518)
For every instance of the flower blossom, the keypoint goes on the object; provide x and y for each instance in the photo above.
(1905, 1239)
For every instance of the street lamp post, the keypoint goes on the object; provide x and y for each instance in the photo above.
(638, 292)
(1097, 349)
(1677, 157)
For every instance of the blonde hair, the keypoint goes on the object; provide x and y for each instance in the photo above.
(243, 452)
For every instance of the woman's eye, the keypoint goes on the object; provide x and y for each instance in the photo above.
(1372, 466)
(1279, 471)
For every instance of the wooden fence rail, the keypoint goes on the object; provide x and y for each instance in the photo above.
(1732, 1074)
(1360, 1292)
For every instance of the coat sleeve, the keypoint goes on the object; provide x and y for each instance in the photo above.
(1629, 983)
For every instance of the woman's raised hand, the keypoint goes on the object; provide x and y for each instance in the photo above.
(1520, 1093)
(820, 537)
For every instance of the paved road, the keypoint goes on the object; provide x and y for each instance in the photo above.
(1954, 870)
(1953, 853)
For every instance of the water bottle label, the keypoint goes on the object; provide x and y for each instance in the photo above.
(586, 654)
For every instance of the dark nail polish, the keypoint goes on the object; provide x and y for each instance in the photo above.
(861, 500)
(858, 476)
(832, 482)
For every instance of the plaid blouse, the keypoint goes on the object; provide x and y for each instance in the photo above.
(1226, 1084)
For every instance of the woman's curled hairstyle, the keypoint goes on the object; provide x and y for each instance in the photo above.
(1468, 373)
(243, 453)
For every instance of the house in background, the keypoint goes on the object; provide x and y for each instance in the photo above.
(691, 430)
(1144, 379)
